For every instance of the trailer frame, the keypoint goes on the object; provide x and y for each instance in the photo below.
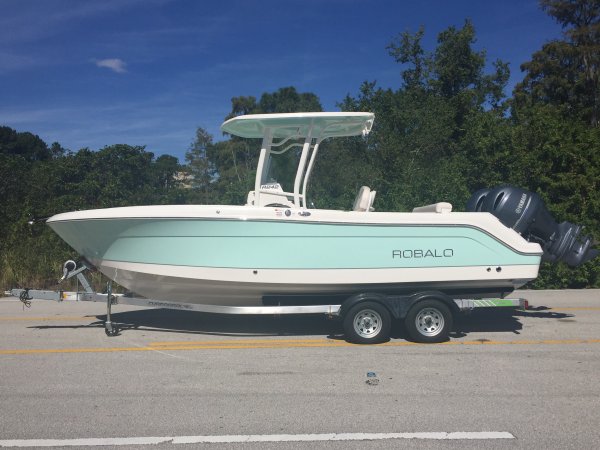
(398, 306)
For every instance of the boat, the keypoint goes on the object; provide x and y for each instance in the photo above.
(278, 248)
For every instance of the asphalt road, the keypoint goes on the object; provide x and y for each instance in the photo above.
(533, 376)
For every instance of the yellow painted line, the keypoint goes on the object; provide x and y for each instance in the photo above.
(42, 319)
(286, 343)
(74, 350)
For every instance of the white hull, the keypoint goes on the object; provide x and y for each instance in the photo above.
(244, 287)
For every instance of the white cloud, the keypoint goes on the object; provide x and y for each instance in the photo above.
(115, 64)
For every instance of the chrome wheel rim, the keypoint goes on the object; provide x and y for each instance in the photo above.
(430, 322)
(367, 323)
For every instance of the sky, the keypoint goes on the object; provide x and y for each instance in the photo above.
(93, 73)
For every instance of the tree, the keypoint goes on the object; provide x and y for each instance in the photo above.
(555, 130)
(288, 100)
(199, 167)
(284, 100)
(566, 73)
(27, 145)
(167, 167)
(406, 49)
(39, 181)
(422, 146)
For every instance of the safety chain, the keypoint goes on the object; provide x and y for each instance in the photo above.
(25, 298)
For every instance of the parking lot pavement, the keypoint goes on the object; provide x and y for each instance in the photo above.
(522, 378)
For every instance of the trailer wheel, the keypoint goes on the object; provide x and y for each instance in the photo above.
(112, 331)
(429, 321)
(367, 323)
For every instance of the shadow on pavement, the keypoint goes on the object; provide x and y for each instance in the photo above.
(174, 321)
(499, 320)
(317, 325)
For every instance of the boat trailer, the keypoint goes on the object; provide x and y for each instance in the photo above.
(365, 317)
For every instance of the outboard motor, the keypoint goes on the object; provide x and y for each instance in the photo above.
(525, 212)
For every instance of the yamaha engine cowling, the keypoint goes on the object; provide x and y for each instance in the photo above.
(525, 212)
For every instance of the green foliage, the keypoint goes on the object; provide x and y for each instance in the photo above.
(200, 169)
(566, 73)
(445, 132)
(568, 179)
(37, 181)
(427, 132)
(555, 129)
(26, 145)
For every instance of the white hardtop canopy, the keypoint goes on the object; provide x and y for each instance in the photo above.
(319, 124)
(306, 130)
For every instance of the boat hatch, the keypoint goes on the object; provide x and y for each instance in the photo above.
(280, 133)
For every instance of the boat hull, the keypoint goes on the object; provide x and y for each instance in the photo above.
(236, 256)
(235, 287)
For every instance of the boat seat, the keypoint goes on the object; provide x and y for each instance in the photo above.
(440, 208)
(364, 200)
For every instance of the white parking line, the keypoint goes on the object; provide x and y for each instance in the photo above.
(229, 439)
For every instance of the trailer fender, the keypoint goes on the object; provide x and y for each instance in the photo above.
(404, 305)
(398, 305)
(355, 299)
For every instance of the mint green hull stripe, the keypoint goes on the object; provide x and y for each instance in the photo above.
(281, 245)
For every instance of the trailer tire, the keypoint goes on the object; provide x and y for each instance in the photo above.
(429, 321)
(114, 331)
(367, 323)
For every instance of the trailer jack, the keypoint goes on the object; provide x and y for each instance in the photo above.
(110, 328)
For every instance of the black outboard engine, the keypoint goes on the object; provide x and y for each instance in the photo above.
(525, 212)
